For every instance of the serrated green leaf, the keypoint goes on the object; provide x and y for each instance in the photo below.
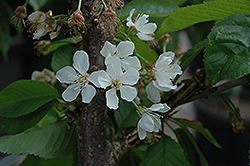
(188, 143)
(52, 141)
(63, 57)
(22, 123)
(37, 4)
(198, 126)
(227, 54)
(165, 152)
(36, 161)
(156, 8)
(143, 50)
(56, 44)
(208, 11)
(126, 115)
(25, 96)
(192, 53)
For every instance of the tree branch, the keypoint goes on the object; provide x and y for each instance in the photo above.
(193, 90)
(217, 89)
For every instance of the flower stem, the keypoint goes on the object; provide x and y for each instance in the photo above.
(104, 4)
(124, 34)
(136, 106)
(79, 5)
(26, 3)
(141, 57)
(164, 48)
(61, 15)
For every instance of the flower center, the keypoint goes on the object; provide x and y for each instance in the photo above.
(80, 82)
(116, 84)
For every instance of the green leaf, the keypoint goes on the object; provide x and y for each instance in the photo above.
(196, 125)
(208, 11)
(165, 152)
(143, 50)
(25, 96)
(56, 44)
(52, 141)
(227, 54)
(179, 2)
(192, 53)
(132, 158)
(34, 160)
(38, 4)
(188, 143)
(126, 115)
(156, 8)
(63, 57)
(22, 123)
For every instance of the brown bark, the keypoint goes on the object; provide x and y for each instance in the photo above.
(93, 149)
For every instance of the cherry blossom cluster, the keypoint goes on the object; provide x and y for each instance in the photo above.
(123, 70)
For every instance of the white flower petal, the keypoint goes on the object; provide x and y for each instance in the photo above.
(131, 62)
(146, 123)
(108, 49)
(125, 48)
(93, 78)
(66, 74)
(41, 31)
(128, 93)
(130, 77)
(112, 99)
(147, 28)
(163, 79)
(153, 93)
(164, 60)
(165, 89)
(142, 20)
(163, 82)
(81, 61)
(173, 70)
(104, 79)
(88, 93)
(157, 123)
(130, 15)
(114, 68)
(71, 92)
(130, 24)
(144, 37)
(141, 132)
(156, 107)
(54, 34)
(37, 74)
(37, 17)
(165, 108)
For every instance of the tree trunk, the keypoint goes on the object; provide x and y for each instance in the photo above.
(93, 149)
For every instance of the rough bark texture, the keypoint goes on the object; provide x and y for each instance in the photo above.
(93, 148)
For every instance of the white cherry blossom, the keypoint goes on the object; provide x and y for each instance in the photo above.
(78, 78)
(122, 51)
(151, 119)
(140, 26)
(116, 79)
(164, 73)
(45, 75)
(43, 23)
